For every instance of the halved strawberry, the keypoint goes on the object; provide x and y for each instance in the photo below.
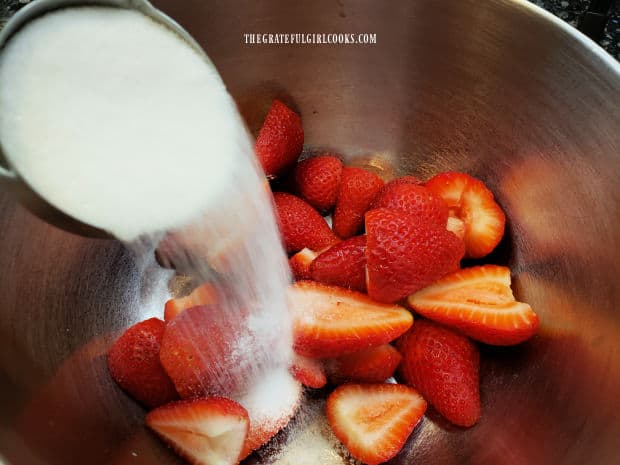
(203, 295)
(469, 200)
(404, 254)
(134, 364)
(204, 431)
(343, 264)
(478, 302)
(444, 366)
(330, 321)
(309, 372)
(404, 180)
(317, 180)
(373, 421)
(300, 263)
(358, 188)
(415, 200)
(301, 226)
(373, 365)
(280, 139)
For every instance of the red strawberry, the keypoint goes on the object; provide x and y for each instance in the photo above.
(373, 365)
(443, 366)
(330, 321)
(317, 180)
(404, 255)
(203, 295)
(373, 421)
(343, 264)
(403, 180)
(201, 352)
(134, 364)
(280, 139)
(478, 302)
(204, 431)
(300, 263)
(415, 200)
(471, 201)
(309, 372)
(358, 188)
(301, 225)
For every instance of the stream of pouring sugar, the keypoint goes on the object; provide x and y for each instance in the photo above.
(142, 139)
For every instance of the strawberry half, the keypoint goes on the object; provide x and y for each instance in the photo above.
(469, 200)
(133, 362)
(309, 372)
(300, 264)
(301, 226)
(280, 139)
(373, 421)
(358, 188)
(373, 365)
(203, 295)
(343, 264)
(444, 367)
(317, 180)
(204, 431)
(415, 200)
(478, 302)
(404, 254)
(330, 321)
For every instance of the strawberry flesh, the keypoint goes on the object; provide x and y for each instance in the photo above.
(203, 295)
(301, 262)
(309, 372)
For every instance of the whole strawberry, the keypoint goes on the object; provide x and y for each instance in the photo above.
(415, 200)
(317, 180)
(301, 225)
(444, 367)
(404, 254)
(343, 264)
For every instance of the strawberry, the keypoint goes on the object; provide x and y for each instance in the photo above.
(373, 421)
(415, 200)
(201, 354)
(478, 302)
(358, 188)
(301, 225)
(300, 263)
(404, 255)
(309, 372)
(133, 362)
(317, 180)
(330, 321)
(373, 365)
(469, 200)
(280, 139)
(203, 295)
(204, 431)
(343, 264)
(444, 367)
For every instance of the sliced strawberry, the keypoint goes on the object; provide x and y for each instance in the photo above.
(478, 302)
(343, 264)
(300, 263)
(373, 421)
(404, 255)
(134, 364)
(330, 321)
(301, 226)
(203, 295)
(456, 226)
(309, 372)
(373, 365)
(317, 180)
(444, 367)
(204, 431)
(280, 139)
(415, 200)
(470, 200)
(358, 188)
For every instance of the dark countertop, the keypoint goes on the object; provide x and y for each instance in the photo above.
(568, 10)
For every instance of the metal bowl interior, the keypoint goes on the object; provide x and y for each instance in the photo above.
(495, 88)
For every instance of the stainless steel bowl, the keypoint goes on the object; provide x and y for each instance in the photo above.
(496, 88)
